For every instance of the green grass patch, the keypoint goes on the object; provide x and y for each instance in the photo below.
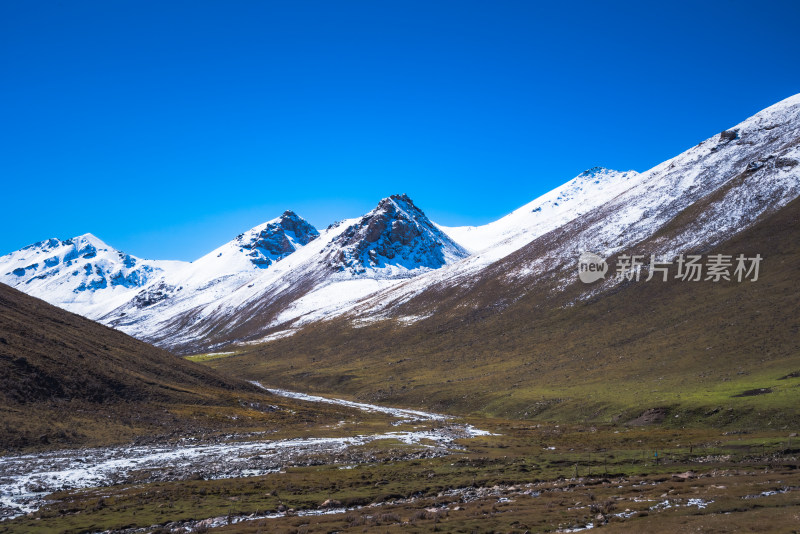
(209, 356)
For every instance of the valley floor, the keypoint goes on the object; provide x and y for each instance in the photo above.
(420, 472)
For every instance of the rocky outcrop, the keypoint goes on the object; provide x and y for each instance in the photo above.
(277, 239)
(395, 234)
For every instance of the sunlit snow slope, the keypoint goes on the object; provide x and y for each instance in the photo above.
(586, 191)
(81, 274)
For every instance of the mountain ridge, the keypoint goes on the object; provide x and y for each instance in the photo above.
(685, 350)
(271, 281)
(694, 200)
(349, 260)
(82, 273)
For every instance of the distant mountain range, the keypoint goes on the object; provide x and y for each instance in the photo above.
(394, 264)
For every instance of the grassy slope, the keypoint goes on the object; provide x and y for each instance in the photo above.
(683, 349)
(66, 381)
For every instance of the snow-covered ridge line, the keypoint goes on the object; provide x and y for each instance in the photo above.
(730, 180)
(284, 274)
(348, 261)
(586, 191)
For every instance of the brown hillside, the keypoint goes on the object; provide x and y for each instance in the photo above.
(66, 380)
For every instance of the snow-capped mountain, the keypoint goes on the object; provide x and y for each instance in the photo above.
(393, 263)
(82, 274)
(692, 202)
(348, 261)
(393, 239)
(274, 240)
(215, 275)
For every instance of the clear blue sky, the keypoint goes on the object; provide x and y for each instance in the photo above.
(168, 127)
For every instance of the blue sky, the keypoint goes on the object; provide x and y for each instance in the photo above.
(166, 128)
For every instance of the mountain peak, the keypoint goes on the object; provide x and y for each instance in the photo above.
(598, 171)
(593, 171)
(87, 239)
(398, 198)
(276, 239)
(395, 235)
(303, 231)
(401, 202)
(289, 214)
(77, 272)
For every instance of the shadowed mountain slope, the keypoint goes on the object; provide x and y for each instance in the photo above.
(66, 380)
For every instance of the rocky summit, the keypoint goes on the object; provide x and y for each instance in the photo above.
(395, 234)
(277, 239)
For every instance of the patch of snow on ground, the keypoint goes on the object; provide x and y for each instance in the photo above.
(26, 480)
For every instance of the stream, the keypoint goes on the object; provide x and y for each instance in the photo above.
(27, 480)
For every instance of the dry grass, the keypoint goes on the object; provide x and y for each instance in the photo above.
(66, 381)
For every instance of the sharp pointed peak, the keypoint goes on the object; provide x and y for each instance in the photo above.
(289, 217)
(399, 201)
(398, 197)
(88, 238)
(289, 214)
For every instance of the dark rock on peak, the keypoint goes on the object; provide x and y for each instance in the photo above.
(594, 171)
(395, 234)
(277, 239)
(304, 232)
